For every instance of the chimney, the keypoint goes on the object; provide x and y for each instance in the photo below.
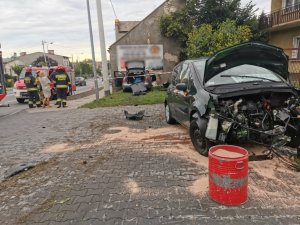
(22, 53)
(117, 28)
(51, 52)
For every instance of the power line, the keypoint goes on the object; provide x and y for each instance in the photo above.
(112, 5)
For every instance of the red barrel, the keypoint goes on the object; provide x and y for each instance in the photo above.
(228, 174)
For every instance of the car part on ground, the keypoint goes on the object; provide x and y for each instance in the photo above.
(138, 89)
(134, 116)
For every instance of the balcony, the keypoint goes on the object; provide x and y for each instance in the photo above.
(283, 17)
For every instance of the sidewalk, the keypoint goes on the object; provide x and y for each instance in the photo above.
(72, 104)
(108, 170)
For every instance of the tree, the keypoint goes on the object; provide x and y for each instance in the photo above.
(17, 69)
(205, 40)
(215, 12)
(84, 67)
(180, 24)
(40, 61)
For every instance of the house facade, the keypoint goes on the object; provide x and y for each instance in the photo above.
(28, 59)
(283, 25)
(144, 40)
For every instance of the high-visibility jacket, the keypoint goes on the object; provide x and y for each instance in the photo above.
(30, 82)
(61, 80)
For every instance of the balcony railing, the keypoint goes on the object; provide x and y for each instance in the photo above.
(284, 15)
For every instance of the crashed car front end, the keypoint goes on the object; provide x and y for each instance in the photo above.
(270, 118)
(250, 97)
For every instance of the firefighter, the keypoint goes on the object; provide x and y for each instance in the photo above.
(62, 82)
(32, 88)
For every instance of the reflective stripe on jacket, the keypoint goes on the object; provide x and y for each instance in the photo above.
(31, 83)
(61, 80)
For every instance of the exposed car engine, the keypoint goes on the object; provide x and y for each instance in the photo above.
(271, 119)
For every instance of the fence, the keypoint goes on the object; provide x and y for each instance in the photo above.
(282, 16)
(294, 65)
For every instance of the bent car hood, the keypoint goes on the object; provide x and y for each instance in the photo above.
(251, 53)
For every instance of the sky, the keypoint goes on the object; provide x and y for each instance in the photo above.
(64, 23)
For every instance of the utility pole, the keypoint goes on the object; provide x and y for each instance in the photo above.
(43, 43)
(93, 50)
(2, 78)
(103, 49)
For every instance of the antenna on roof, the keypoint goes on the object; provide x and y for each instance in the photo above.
(112, 5)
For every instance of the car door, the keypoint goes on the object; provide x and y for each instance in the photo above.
(184, 99)
(172, 92)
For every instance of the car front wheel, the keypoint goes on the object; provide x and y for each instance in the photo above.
(198, 138)
(168, 115)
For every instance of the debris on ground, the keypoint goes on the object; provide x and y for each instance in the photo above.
(138, 89)
(135, 116)
(18, 169)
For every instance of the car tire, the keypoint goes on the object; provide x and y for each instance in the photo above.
(168, 115)
(20, 100)
(295, 142)
(197, 134)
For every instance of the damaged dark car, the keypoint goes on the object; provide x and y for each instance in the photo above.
(239, 95)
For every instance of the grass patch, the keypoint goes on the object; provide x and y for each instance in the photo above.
(120, 98)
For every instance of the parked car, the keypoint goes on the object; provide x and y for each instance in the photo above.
(240, 94)
(80, 81)
(136, 73)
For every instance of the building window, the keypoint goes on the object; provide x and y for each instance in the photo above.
(296, 52)
(289, 3)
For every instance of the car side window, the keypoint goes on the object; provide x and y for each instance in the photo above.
(184, 74)
(175, 75)
(191, 85)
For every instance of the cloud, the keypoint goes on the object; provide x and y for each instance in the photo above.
(24, 24)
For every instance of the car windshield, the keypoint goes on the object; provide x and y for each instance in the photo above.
(242, 74)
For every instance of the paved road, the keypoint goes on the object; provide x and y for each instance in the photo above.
(104, 169)
(16, 107)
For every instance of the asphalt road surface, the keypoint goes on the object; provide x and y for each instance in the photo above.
(16, 107)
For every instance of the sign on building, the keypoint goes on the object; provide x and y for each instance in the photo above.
(152, 55)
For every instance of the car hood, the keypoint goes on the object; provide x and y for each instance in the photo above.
(251, 53)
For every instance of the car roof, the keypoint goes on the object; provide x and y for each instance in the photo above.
(194, 60)
(198, 59)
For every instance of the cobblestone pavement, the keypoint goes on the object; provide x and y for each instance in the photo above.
(103, 169)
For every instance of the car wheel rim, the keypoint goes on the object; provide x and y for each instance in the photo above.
(167, 113)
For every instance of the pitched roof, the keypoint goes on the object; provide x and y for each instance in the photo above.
(138, 23)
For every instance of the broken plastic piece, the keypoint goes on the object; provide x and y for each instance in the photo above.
(136, 116)
(18, 169)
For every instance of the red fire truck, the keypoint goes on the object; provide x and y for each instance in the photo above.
(20, 91)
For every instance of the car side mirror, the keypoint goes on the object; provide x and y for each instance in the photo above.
(181, 87)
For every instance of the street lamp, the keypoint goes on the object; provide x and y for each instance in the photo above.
(48, 46)
(43, 43)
